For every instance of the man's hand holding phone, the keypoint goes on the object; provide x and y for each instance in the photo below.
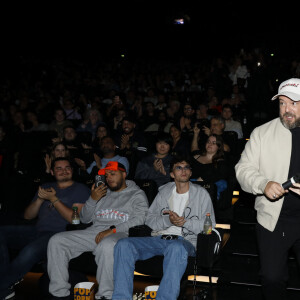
(99, 192)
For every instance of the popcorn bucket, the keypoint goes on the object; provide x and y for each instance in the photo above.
(150, 292)
(84, 291)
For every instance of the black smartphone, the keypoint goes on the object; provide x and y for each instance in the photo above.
(99, 179)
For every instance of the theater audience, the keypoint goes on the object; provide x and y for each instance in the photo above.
(129, 136)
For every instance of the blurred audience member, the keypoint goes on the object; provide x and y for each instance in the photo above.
(230, 124)
(33, 123)
(156, 166)
(92, 120)
(180, 143)
(187, 119)
(59, 122)
(101, 132)
(131, 143)
(161, 125)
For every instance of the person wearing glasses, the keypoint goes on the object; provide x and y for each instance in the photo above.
(52, 207)
(176, 217)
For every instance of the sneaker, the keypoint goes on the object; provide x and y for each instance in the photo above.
(104, 298)
(11, 294)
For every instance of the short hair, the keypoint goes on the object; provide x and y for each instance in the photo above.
(107, 137)
(227, 106)
(69, 126)
(164, 137)
(130, 119)
(189, 104)
(220, 119)
(60, 109)
(104, 126)
(180, 158)
(60, 159)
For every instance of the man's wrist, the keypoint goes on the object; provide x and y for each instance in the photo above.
(54, 200)
(113, 228)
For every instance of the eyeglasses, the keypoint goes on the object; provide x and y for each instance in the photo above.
(180, 168)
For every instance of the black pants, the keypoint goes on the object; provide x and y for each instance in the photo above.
(274, 248)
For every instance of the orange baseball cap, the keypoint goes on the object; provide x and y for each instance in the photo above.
(112, 166)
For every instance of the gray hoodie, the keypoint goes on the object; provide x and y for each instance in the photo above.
(198, 204)
(123, 209)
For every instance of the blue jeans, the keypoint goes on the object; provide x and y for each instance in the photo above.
(128, 250)
(33, 248)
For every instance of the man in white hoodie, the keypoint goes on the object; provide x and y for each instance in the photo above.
(113, 209)
(270, 158)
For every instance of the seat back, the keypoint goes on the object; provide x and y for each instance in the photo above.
(149, 187)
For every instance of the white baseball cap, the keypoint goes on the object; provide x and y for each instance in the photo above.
(289, 88)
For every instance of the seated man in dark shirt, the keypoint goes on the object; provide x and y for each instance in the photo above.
(52, 206)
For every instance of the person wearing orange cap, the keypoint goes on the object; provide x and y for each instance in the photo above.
(269, 159)
(113, 208)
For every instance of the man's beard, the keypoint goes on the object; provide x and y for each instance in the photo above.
(65, 179)
(117, 187)
(289, 125)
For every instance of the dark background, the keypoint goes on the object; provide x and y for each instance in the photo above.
(146, 29)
